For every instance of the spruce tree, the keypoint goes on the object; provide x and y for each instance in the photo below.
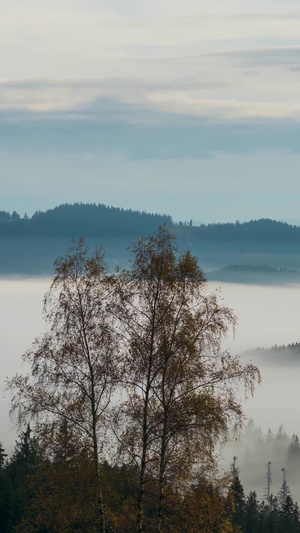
(19, 471)
(293, 456)
(3, 495)
(251, 513)
(237, 496)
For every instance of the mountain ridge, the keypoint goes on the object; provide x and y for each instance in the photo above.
(108, 221)
(30, 245)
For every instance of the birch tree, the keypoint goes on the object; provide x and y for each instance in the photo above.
(74, 364)
(180, 384)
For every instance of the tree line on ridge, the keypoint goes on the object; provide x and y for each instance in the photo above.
(107, 221)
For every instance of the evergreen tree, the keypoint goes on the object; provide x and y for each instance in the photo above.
(289, 516)
(296, 518)
(18, 474)
(281, 441)
(3, 495)
(237, 496)
(293, 455)
(269, 482)
(251, 513)
(284, 491)
(272, 515)
(15, 216)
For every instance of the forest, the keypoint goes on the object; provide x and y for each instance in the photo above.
(259, 251)
(82, 219)
(107, 221)
(277, 354)
(255, 274)
(53, 492)
(29, 245)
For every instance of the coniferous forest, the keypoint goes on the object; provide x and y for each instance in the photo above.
(259, 251)
(53, 492)
(108, 221)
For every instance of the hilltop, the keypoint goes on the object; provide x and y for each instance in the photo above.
(255, 274)
(29, 245)
(108, 221)
(82, 219)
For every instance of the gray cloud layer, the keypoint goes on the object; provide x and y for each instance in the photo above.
(188, 107)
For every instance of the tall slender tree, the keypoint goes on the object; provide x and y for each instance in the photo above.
(3, 494)
(237, 496)
(19, 470)
(269, 482)
(74, 365)
(180, 384)
(284, 490)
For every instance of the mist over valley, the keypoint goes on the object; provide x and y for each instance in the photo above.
(266, 316)
(259, 280)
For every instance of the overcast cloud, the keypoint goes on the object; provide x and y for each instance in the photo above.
(121, 101)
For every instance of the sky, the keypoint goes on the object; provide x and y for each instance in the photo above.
(187, 108)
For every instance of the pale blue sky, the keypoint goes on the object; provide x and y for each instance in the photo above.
(189, 108)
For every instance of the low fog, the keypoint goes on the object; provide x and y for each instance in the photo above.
(21, 321)
(267, 316)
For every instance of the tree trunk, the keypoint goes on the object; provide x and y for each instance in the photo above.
(161, 480)
(145, 426)
(102, 527)
(100, 509)
(101, 513)
(143, 466)
(159, 508)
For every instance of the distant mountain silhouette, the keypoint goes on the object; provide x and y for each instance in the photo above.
(29, 245)
(255, 274)
(263, 230)
(107, 221)
(82, 219)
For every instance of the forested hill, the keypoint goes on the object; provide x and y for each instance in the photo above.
(284, 354)
(263, 230)
(255, 274)
(104, 221)
(82, 219)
